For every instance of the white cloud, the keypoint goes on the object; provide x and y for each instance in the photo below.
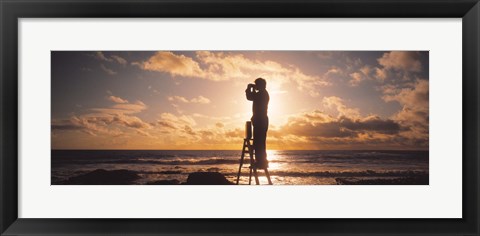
(356, 78)
(415, 96)
(338, 104)
(171, 123)
(381, 74)
(401, 60)
(175, 65)
(178, 99)
(219, 66)
(199, 99)
(415, 109)
(333, 70)
(117, 99)
(106, 121)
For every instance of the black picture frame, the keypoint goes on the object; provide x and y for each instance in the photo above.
(12, 10)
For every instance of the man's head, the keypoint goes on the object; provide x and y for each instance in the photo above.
(260, 84)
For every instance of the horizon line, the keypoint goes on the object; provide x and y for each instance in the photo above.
(83, 149)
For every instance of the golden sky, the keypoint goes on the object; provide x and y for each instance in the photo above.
(196, 100)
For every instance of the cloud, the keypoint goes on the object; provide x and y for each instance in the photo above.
(61, 125)
(122, 108)
(306, 128)
(381, 74)
(366, 73)
(348, 129)
(88, 125)
(182, 131)
(401, 60)
(316, 124)
(114, 58)
(366, 70)
(224, 66)
(117, 99)
(177, 126)
(178, 99)
(175, 65)
(395, 64)
(371, 123)
(188, 130)
(221, 118)
(415, 96)
(235, 133)
(107, 70)
(333, 71)
(173, 121)
(356, 78)
(407, 128)
(324, 55)
(341, 126)
(111, 121)
(415, 109)
(199, 99)
(101, 56)
(119, 60)
(130, 121)
(338, 104)
(219, 66)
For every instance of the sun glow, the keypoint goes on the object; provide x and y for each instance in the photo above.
(276, 110)
(272, 156)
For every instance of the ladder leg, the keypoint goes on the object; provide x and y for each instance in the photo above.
(256, 176)
(250, 177)
(241, 162)
(252, 163)
(268, 177)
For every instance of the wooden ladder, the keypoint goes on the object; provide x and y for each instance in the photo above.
(248, 148)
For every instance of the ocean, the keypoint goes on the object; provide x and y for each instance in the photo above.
(285, 167)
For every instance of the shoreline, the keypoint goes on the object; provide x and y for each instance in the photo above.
(128, 177)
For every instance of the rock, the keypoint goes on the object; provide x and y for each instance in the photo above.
(104, 177)
(213, 169)
(170, 172)
(207, 178)
(164, 182)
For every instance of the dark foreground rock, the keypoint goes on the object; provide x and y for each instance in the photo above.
(207, 178)
(104, 177)
(164, 182)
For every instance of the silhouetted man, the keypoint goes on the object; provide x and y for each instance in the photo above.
(258, 94)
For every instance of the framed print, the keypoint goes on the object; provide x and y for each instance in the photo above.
(225, 117)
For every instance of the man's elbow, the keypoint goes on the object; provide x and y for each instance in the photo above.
(249, 96)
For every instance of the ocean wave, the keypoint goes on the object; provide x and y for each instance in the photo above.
(366, 173)
(227, 161)
(324, 174)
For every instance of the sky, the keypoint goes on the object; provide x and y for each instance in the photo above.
(195, 100)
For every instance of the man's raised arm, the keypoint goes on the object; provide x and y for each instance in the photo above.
(249, 92)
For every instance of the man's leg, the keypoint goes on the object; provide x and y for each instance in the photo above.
(260, 132)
